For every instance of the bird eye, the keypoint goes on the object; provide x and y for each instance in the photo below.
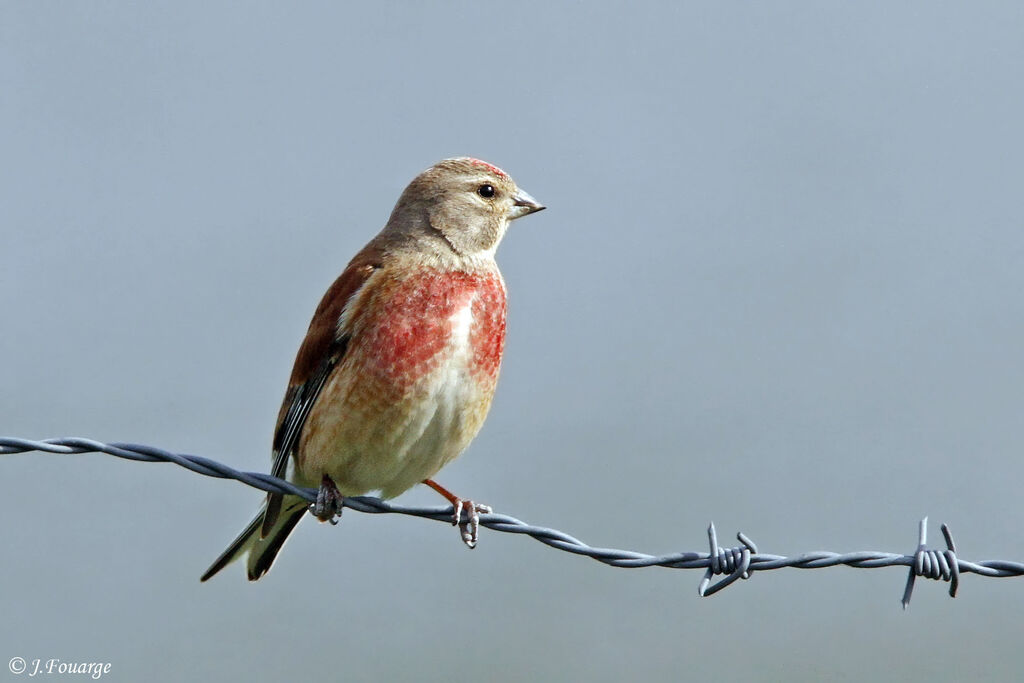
(485, 191)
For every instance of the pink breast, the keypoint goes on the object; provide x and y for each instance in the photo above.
(487, 335)
(407, 335)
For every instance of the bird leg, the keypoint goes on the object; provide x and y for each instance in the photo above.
(328, 505)
(469, 527)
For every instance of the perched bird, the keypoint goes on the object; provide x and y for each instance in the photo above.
(397, 371)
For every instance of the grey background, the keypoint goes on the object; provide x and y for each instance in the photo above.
(778, 286)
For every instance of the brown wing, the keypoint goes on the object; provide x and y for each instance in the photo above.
(321, 351)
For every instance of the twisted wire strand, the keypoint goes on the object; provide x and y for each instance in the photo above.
(734, 563)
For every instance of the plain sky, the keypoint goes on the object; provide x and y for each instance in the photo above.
(778, 286)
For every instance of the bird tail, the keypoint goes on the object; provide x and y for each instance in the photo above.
(262, 548)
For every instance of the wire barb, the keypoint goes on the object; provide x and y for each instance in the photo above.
(941, 565)
(738, 563)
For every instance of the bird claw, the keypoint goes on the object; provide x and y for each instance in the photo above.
(329, 502)
(470, 527)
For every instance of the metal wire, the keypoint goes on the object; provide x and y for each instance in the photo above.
(734, 563)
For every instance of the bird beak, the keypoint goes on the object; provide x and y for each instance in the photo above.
(523, 204)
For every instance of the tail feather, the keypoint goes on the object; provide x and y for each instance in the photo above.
(262, 547)
(265, 550)
(237, 547)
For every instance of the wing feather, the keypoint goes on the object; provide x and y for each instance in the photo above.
(321, 352)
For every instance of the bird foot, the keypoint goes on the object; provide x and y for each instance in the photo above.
(329, 502)
(469, 527)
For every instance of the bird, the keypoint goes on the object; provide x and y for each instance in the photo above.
(398, 368)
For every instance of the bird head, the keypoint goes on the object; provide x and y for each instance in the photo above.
(467, 202)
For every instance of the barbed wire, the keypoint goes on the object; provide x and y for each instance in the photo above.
(734, 563)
